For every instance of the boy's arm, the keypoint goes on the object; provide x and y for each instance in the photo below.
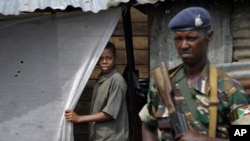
(70, 115)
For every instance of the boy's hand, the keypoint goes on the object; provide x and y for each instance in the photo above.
(71, 116)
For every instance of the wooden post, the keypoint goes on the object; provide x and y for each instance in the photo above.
(130, 69)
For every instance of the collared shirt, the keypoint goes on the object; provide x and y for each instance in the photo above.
(109, 96)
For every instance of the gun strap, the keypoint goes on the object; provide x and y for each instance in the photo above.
(186, 92)
(213, 100)
(189, 106)
(173, 71)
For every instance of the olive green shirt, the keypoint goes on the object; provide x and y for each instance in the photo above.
(109, 96)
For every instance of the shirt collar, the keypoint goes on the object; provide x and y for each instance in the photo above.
(104, 76)
(202, 84)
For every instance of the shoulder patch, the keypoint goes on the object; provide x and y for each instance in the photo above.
(226, 83)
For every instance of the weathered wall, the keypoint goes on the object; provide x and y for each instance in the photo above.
(162, 46)
(240, 25)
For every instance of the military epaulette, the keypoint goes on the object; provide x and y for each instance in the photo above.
(226, 82)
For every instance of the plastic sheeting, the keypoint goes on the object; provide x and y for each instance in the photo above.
(45, 63)
(14, 7)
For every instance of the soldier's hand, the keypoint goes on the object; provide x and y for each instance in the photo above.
(191, 135)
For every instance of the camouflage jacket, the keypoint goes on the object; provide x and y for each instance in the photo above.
(233, 106)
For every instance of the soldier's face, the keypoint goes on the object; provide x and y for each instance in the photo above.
(192, 45)
(106, 61)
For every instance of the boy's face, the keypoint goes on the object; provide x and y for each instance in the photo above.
(107, 61)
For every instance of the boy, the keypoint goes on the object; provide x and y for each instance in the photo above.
(109, 117)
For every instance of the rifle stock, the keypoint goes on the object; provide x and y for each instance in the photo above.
(164, 86)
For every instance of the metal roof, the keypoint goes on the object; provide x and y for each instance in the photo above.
(15, 7)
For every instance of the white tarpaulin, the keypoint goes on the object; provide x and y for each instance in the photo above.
(45, 63)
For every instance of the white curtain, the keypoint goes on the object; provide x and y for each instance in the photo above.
(45, 64)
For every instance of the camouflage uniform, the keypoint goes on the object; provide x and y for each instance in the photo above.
(233, 106)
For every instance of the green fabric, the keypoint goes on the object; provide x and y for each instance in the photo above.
(186, 92)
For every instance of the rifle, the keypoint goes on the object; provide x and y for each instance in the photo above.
(164, 86)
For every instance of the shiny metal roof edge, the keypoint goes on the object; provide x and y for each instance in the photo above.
(15, 7)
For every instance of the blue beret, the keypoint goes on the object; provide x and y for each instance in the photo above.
(189, 19)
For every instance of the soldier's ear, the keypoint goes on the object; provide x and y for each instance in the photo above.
(210, 34)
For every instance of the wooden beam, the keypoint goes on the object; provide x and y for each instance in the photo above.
(139, 42)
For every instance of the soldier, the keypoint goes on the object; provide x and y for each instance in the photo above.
(192, 34)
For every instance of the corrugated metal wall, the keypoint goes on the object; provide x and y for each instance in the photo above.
(240, 25)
